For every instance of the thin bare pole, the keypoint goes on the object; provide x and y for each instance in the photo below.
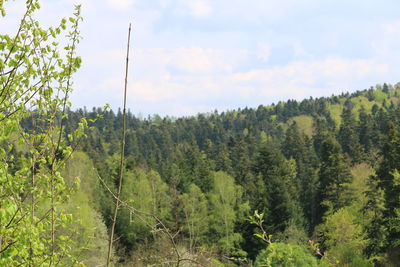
(121, 163)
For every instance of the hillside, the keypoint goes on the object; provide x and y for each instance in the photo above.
(306, 164)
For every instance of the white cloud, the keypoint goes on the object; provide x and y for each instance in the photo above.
(199, 60)
(385, 44)
(300, 51)
(195, 8)
(391, 28)
(184, 72)
(306, 78)
(256, 10)
(165, 79)
(109, 57)
(264, 51)
(120, 4)
(199, 8)
(155, 92)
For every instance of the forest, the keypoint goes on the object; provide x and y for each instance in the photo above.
(321, 170)
(295, 183)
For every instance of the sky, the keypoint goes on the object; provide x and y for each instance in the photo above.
(197, 56)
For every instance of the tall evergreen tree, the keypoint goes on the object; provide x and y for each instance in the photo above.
(334, 178)
(298, 146)
(388, 178)
(365, 130)
(348, 137)
(281, 195)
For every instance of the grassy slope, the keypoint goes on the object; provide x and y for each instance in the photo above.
(358, 102)
(335, 111)
(305, 124)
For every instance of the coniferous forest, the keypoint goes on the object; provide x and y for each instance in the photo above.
(296, 183)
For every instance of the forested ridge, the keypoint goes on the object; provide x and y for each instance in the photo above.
(296, 183)
(321, 169)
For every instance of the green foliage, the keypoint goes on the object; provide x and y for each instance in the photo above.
(192, 179)
(193, 168)
(293, 235)
(299, 147)
(384, 231)
(335, 178)
(350, 255)
(36, 81)
(348, 136)
(280, 198)
(195, 210)
(146, 192)
(339, 228)
(380, 96)
(343, 238)
(226, 209)
(359, 186)
(216, 263)
(360, 102)
(335, 111)
(88, 230)
(80, 167)
(298, 180)
(305, 124)
(281, 254)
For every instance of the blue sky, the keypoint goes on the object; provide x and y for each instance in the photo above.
(191, 56)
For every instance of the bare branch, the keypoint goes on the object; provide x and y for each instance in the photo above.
(117, 203)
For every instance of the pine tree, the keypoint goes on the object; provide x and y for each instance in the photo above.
(365, 130)
(281, 195)
(388, 178)
(299, 148)
(348, 137)
(334, 179)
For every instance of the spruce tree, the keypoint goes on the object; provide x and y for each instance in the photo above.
(365, 130)
(348, 137)
(281, 195)
(299, 147)
(388, 179)
(334, 178)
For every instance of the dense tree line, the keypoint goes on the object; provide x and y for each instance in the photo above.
(309, 169)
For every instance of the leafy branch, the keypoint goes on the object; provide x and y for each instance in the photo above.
(258, 219)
